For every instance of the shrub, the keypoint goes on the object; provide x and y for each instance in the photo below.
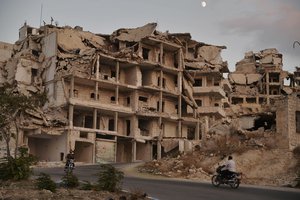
(70, 180)
(17, 168)
(109, 178)
(44, 182)
(87, 186)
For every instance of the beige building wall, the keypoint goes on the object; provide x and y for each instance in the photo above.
(170, 82)
(288, 121)
(169, 58)
(170, 129)
(144, 151)
(170, 106)
(41, 147)
(149, 78)
(105, 151)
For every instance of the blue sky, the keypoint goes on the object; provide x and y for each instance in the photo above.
(241, 25)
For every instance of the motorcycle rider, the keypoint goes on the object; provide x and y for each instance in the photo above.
(229, 168)
(70, 158)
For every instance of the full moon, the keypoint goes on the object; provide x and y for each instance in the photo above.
(203, 3)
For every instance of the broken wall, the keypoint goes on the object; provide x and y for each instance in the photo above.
(169, 58)
(105, 151)
(105, 96)
(170, 82)
(143, 151)
(133, 76)
(169, 106)
(5, 51)
(49, 45)
(287, 120)
(147, 102)
(170, 129)
(150, 78)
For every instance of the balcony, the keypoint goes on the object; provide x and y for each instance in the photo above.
(217, 91)
(209, 110)
(101, 106)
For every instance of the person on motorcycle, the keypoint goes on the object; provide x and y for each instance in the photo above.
(70, 158)
(229, 168)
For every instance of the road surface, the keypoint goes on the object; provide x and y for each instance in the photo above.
(168, 189)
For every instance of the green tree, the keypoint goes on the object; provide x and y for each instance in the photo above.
(13, 106)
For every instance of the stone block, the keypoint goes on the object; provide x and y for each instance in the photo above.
(252, 78)
(238, 79)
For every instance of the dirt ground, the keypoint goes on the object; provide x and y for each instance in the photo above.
(274, 167)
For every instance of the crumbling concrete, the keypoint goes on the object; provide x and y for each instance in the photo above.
(118, 97)
(136, 94)
(258, 80)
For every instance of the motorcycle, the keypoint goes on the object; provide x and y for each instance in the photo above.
(233, 181)
(69, 166)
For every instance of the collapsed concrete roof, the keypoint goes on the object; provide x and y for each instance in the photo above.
(70, 40)
(134, 34)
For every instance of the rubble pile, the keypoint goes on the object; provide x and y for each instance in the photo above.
(208, 57)
(189, 166)
(260, 166)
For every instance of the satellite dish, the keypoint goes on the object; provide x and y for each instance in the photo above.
(203, 3)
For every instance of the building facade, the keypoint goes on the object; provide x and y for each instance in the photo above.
(111, 98)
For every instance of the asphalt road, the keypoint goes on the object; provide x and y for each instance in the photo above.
(163, 189)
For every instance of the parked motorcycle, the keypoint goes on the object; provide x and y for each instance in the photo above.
(69, 166)
(233, 181)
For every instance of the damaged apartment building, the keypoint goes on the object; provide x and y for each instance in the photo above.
(135, 94)
(260, 99)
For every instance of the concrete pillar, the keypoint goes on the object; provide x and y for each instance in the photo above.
(117, 95)
(96, 90)
(205, 128)
(160, 92)
(160, 118)
(97, 66)
(134, 126)
(161, 53)
(71, 113)
(204, 81)
(117, 71)
(180, 128)
(116, 149)
(179, 81)
(133, 151)
(116, 122)
(158, 150)
(267, 87)
(95, 118)
(197, 131)
(135, 101)
(72, 87)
